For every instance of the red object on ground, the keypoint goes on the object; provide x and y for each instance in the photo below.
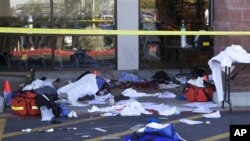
(6, 86)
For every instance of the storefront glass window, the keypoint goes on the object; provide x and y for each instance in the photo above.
(59, 51)
(163, 52)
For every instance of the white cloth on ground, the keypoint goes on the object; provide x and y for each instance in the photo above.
(85, 86)
(38, 84)
(132, 93)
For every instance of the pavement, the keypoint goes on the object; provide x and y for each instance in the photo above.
(93, 127)
(83, 128)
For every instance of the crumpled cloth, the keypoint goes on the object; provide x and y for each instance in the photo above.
(232, 54)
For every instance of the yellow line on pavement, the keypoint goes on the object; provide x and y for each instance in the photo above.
(216, 137)
(51, 126)
(119, 134)
(2, 126)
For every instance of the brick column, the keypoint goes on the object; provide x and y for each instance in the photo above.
(231, 15)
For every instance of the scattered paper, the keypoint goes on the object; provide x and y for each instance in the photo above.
(170, 111)
(190, 122)
(203, 110)
(72, 114)
(153, 125)
(86, 136)
(134, 109)
(94, 109)
(28, 130)
(50, 130)
(132, 93)
(212, 115)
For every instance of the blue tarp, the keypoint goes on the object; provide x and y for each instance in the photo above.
(167, 133)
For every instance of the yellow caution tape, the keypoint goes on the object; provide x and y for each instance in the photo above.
(53, 31)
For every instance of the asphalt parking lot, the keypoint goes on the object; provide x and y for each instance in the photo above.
(93, 127)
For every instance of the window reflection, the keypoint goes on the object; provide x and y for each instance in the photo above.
(167, 15)
(70, 51)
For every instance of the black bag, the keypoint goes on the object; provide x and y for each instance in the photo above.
(47, 100)
(161, 77)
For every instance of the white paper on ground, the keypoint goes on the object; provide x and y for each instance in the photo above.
(100, 99)
(190, 122)
(94, 109)
(212, 115)
(133, 109)
(202, 109)
(50, 130)
(167, 94)
(164, 110)
(110, 114)
(27, 130)
(86, 136)
(72, 114)
(170, 111)
(106, 109)
(132, 93)
(153, 125)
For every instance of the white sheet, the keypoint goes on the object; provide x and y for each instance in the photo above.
(232, 54)
(85, 86)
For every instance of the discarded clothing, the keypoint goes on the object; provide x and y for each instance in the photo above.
(128, 77)
(38, 84)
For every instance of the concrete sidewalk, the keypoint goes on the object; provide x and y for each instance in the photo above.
(239, 100)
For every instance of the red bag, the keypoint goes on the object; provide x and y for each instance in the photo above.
(199, 94)
(25, 104)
